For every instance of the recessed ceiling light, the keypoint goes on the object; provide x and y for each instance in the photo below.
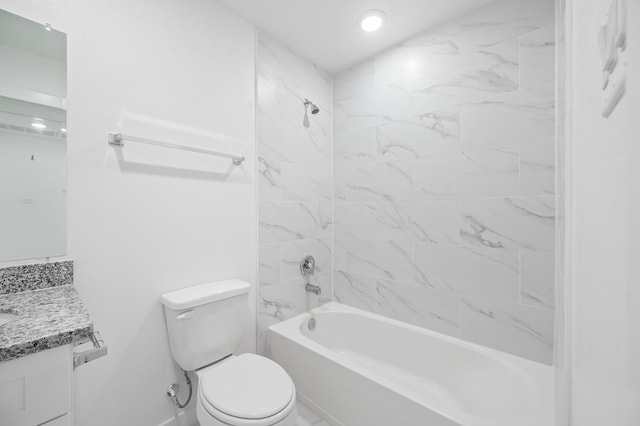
(38, 125)
(372, 20)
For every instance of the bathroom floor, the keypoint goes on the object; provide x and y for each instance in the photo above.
(306, 417)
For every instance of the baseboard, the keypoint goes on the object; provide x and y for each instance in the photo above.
(177, 420)
(304, 400)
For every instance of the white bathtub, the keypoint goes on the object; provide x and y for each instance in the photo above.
(362, 369)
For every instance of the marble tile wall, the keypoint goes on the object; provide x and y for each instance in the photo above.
(444, 186)
(294, 182)
(562, 273)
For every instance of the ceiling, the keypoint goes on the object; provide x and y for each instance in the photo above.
(328, 32)
(32, 37)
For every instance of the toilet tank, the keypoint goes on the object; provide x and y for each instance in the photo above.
(206, 322)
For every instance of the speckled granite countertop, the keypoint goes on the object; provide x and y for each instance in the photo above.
(47, 318)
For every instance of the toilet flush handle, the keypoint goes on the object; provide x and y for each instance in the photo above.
(186, 314)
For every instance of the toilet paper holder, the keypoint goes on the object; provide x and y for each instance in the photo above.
(98, 351)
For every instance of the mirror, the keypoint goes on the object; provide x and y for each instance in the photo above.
(33, 91)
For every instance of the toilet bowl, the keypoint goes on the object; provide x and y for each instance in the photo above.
(246, 390)
(205, 325)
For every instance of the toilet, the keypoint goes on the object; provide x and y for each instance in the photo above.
(205, 324)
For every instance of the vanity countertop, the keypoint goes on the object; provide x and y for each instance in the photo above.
(46, 318)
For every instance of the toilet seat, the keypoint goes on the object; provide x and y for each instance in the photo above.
(247, 390)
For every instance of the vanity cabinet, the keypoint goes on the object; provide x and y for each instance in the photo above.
(36, 389)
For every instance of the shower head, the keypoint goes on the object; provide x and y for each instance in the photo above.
(314, 107)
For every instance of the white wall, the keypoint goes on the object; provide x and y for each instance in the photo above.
(604, 224)
(153, 220)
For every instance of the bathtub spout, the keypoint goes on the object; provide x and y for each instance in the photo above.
(315, 289)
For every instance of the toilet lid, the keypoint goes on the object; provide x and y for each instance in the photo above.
(248, 386)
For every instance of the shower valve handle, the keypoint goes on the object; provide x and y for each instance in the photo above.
(307, 265)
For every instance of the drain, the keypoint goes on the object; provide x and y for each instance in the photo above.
(311, 323)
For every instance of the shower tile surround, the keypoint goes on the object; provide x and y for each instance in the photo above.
(294, 182)
(424, 187)
(444, 192)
